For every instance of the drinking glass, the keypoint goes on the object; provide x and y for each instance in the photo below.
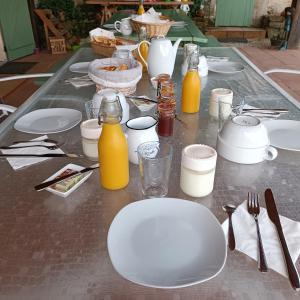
(227, 110)
(92, 109)
(155, 160)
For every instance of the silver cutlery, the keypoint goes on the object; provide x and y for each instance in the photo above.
(38, 141)
(70, 155)
(254, 210)
(45, 184)
(141, 98)
(274, 217)
(267, 110)
(52, 147)
(230, 208)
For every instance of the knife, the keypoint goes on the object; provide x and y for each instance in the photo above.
(267, 110)
(45, 184)
(70, 155)
(274, 217)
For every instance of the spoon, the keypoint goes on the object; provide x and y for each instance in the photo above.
(230, 208)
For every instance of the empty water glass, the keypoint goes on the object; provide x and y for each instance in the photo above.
(155, 160)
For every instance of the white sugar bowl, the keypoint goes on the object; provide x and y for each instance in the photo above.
(244, 139)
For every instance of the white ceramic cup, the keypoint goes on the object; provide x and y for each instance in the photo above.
(140, 130)
(124, 26)
(216, 95)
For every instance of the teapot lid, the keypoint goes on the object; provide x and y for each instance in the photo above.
(160, 38)
(109, 94)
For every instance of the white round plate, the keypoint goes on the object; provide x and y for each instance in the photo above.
(48, 120)
(284, 134)
(82, 67)
(166, 243)
(225, 67)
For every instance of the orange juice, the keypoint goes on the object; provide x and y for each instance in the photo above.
(113, 157)
(191, 90)
(141, 9)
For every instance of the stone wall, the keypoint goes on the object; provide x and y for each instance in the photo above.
(262, 7)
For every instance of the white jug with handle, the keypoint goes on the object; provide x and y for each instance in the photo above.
(140, 130)
(110, 93)
(161, 56)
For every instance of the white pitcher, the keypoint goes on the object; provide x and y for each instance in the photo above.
(161, 56)
(140, 130)
(110, 93)
(125, 26)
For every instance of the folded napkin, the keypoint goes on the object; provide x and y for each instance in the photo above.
(246, 237)
(80, 81)
(20, 162)
(259, 114)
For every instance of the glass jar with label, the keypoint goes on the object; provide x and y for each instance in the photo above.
(90, 133)
(198, 164)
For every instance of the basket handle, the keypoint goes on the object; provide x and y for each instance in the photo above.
(140, 55)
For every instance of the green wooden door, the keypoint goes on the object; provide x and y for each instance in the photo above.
(16, 28)
(234, 12)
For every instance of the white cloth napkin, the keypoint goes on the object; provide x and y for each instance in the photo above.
(80, 81)
(20, 162)
(260, 115)
(246, 238)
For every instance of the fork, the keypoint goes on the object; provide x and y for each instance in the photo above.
(254, 209)
(44, 140)
(52, 147)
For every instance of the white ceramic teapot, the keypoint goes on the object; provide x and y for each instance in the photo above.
(161, 56)
(109, 93)
(140, 130)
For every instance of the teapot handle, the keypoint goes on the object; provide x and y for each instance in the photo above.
(139, 52)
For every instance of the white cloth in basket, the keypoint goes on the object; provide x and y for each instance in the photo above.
(115, 79)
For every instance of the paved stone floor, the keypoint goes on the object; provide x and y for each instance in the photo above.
(267, 59)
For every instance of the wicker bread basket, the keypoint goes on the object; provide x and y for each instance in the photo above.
(153, 29)
(106, 47)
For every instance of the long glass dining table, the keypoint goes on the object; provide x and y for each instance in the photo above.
(56, 248)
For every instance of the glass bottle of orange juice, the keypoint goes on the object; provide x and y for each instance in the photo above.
(191, 86)
(112, 146)
(141, 9)
(144, 47)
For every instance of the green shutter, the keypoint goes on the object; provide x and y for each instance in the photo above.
(234, 12)
(16, 28)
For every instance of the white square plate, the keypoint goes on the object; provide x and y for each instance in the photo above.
(81, 181)
(166, 243)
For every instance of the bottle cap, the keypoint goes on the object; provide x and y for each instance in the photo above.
(199, 157)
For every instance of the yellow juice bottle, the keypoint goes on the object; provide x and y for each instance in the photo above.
(141, 9)
(112, 147)
(191, 87)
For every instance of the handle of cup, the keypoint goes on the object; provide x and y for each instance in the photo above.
(139, 52)
(116, 27)
(271, 153)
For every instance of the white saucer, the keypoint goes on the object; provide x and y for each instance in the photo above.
(284, 134)
(48, 120)
(225, 67)
(166, 243)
